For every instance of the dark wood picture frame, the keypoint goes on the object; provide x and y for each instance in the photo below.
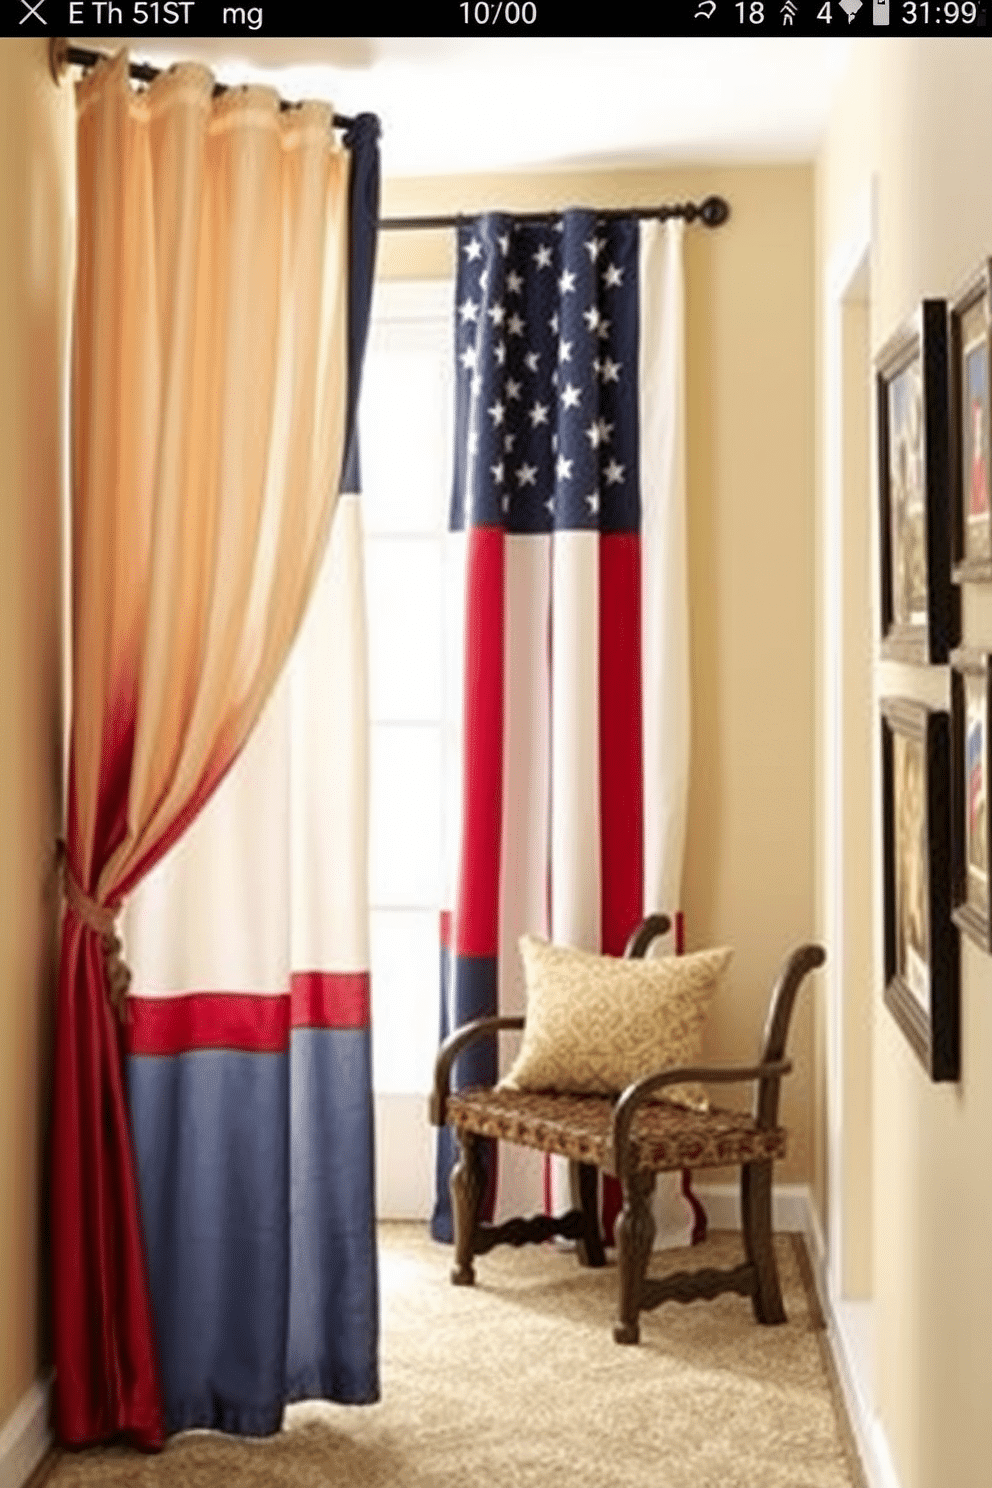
(919, 605)
(971, 798)
(921, 945)
(970, 368)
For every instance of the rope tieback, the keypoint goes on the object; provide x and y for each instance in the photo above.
(102, 919)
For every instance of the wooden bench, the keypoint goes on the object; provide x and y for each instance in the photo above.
(634, 1138)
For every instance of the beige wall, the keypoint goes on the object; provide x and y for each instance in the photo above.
(750, 358)
(34, 267)
(913, 124)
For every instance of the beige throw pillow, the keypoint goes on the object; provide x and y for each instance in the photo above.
(596, 1023)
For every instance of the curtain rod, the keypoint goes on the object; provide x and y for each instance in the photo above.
(712, 211)
(62, 54)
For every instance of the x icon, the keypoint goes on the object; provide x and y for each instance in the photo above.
(33, 10)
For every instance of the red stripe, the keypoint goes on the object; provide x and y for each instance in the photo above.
(621, 764)
(331, 999)
(207, 1020)
(477, 920)
(445, 929)
(244, 1021)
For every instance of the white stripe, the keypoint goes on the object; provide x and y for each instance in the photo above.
(664, 606)
(576, 907)
(526, 804)
(526, 763)
(272, 875)
(329, 742)
(213, 916)
(664, 595)
(576, 864)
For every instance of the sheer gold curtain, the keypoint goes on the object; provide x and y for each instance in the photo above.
(210, 388)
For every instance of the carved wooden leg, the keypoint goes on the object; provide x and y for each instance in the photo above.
(756, 1220)
(465, 1185)
(634, 1237)
(583, 1181)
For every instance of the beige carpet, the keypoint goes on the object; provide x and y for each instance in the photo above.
(517, 1381)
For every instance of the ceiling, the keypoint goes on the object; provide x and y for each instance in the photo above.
(492, 104)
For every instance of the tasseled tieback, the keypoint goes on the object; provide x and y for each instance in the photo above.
(101, 918)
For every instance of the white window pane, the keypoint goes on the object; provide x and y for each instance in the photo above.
(405, 421)
(451, 812)
(405, 835)
(404, 601)
(405, 999)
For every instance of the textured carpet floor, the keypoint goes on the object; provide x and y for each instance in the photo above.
(518, 1381)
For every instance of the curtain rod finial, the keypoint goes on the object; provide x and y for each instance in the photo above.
(714, 211)
(58, 58)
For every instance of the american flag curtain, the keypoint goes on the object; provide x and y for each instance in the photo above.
(569, 664)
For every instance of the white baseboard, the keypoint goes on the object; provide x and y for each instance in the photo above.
(791, 1207)
(25, 1437)
(792, 1210)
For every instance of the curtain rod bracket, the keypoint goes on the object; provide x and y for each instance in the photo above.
(58, 58)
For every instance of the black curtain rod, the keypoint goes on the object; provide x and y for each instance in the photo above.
(713, 211)
(62, 55)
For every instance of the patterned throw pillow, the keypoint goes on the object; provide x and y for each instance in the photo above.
(596, 1023)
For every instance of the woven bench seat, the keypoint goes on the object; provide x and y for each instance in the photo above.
(663, 1138)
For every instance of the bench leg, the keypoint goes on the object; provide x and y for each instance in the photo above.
(756, 1220)
(635, 1237)
(465, 1185)
(584, 1184)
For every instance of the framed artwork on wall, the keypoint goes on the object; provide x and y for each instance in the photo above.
(971, 692)
(921, 946)
(919, 605)
(970, 330)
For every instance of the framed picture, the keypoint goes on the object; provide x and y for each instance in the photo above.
(921, 946)
(970, 332)
(919, 604)
(971, 691)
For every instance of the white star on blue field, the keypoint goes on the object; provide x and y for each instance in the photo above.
(546, 333)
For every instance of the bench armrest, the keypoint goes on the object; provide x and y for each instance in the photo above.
(449, 1051)
(641, 1091)
(644, 934)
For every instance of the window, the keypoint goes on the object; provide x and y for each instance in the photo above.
(405, 429)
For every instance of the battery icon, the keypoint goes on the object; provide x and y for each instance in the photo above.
(880, 12)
